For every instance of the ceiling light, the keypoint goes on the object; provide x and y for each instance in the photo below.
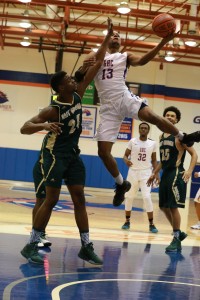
(169, 57)
(105, 31)
(26, 41)
(25, 24)
(25, 1)
(191, 43)
(123, 8)
(26, 13)
(95, 49)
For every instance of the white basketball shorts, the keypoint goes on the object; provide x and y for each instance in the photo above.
(197, 196)
(113, 112)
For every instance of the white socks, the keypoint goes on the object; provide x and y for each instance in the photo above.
(119, 179)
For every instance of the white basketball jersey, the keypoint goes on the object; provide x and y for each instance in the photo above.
(110, 79)
(141, 152)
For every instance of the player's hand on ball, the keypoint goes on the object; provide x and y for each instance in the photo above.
(170, 37)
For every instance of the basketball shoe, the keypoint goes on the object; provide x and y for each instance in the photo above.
(126, 226)
(174, 246)
(152, 228)
(87, 253)
(30, 252)
(191, 138)
(44, 242)
(196, 226)
(182, 236)
(120, 190)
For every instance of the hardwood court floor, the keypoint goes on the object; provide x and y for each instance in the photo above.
(135, 263)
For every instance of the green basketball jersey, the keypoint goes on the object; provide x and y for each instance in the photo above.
(169, 154)
(70, 114)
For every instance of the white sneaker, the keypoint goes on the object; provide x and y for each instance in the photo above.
(43, 241)
(196, 226)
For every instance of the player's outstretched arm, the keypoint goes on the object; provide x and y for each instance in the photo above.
(100, 54)
(134, 60)
(92, 71)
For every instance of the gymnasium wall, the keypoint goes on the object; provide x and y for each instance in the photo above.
(23, 78)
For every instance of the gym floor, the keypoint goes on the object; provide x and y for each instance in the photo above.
(135, 263)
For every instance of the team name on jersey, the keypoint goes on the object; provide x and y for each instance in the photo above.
(167, 143)
(108, 63)
(71, 111)
(142, 149)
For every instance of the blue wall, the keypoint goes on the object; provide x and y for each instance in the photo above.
(195, 182)
(17, 164)
(41, 78)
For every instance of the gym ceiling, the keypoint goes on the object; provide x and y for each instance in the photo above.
(76, 26)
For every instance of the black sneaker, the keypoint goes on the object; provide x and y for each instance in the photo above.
(120, 192)
(43, 242)
(87, 253)
(30, 252)
(174, 246)
(182, 236)
(190, 139)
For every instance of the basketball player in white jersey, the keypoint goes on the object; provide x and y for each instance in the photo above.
(197, 204)
(140, 157)
(117, 102)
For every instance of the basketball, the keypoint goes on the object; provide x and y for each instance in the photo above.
(163, 25)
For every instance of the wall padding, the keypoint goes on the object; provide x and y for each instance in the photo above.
(17, 164)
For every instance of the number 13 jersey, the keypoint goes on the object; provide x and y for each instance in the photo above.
(110, 79)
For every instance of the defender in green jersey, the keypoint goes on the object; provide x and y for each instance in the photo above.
(59, 156)
(172, 190)
(38, 170)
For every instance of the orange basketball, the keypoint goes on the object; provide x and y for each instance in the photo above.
(163, 25)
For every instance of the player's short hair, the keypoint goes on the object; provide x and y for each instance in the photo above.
(175, 110)
(144, 123)
(56, 80)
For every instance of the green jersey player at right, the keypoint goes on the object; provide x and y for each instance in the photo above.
(174, 179)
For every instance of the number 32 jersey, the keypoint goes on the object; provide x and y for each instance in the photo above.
(141, 152)
(110, 79)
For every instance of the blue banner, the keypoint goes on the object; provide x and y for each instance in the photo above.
(125, 132)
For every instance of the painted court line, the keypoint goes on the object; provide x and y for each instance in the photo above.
(55, 293)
